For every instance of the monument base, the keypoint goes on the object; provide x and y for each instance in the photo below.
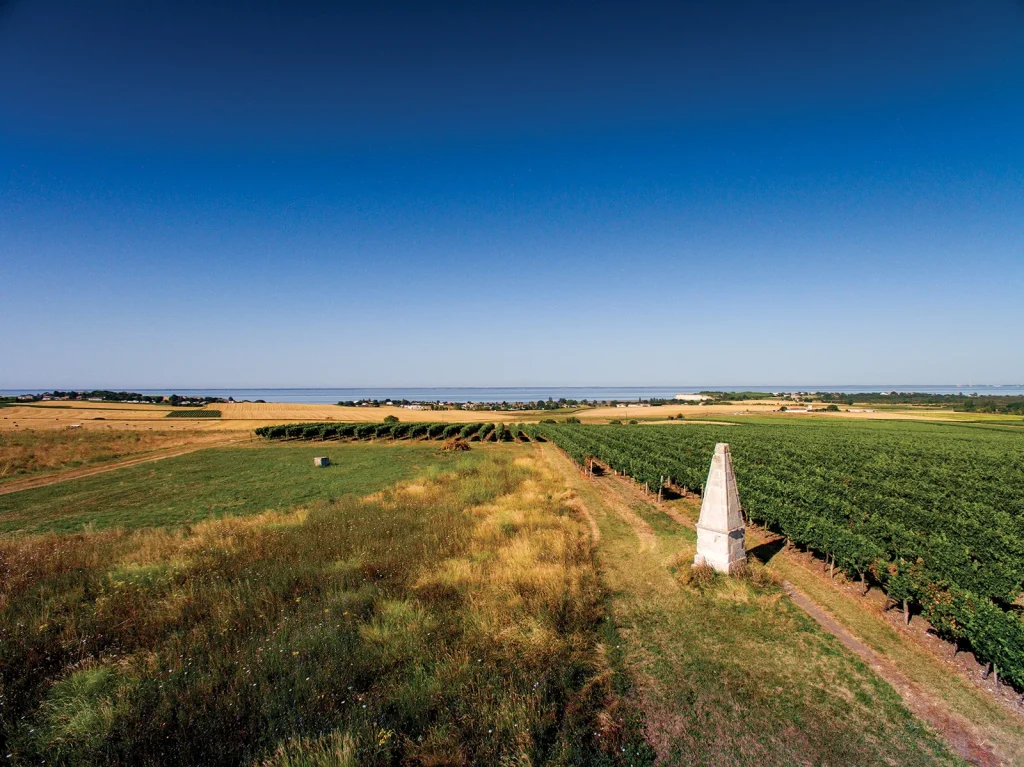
(725, 552)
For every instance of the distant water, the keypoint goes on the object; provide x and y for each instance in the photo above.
(534, 393)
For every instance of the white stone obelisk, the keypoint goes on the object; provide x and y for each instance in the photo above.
(720, 527)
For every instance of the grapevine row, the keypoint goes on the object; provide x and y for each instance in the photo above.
(484, 432)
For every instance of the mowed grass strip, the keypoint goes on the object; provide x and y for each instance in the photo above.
(450, 620)
(212, 483)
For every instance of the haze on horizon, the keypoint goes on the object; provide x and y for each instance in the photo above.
(510, 194)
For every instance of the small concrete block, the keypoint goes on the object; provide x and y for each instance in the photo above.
(321, 460)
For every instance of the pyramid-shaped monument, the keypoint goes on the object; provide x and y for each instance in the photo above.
(720, 527)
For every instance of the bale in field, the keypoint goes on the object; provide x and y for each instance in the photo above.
(455, 443)
(321, 460)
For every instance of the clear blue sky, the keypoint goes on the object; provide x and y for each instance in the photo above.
(208, 194)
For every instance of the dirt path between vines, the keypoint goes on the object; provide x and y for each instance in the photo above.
(962, 737)
(28, 483)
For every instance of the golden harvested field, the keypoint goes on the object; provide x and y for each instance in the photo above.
(245, 416)
(280, 412)
(603, 414)
(235, 416)
(92, 416)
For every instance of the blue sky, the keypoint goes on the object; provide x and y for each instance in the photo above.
(480, 194)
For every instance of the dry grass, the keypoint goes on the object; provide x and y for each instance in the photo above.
(449, 620)
(29, 452)
(94, 416)
(280, 412)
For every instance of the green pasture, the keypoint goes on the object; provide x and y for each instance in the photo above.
(214, 483)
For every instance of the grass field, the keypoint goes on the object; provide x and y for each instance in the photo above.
(212, 483)
(448, 620)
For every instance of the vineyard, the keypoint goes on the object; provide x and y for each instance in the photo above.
(932, 514)
(194, 414)
(475, 432)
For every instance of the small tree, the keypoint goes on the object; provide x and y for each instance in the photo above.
(391, 419)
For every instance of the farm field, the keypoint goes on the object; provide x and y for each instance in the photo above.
(246, 416)
(484, 606)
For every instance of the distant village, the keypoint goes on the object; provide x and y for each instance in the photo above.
(133, 398)
(548, 404)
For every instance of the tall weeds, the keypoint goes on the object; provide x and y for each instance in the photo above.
(447, 621)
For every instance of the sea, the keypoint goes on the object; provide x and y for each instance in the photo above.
(534, 393)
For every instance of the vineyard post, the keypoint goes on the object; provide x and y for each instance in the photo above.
(661, 485)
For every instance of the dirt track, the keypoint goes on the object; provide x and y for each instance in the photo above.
(959, 733)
